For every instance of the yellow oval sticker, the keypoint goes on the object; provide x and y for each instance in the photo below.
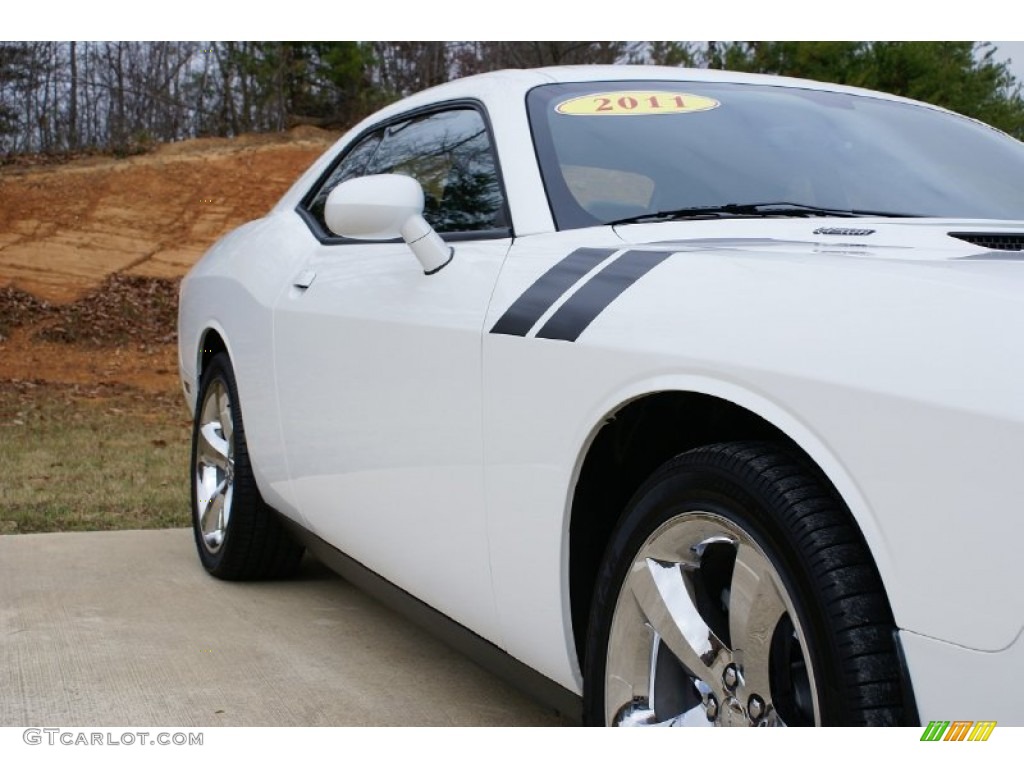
(636, 103)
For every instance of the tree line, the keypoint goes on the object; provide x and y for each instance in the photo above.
(116, 96)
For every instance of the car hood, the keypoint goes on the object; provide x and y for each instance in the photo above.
(909, 239)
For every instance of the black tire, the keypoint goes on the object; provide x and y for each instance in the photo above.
(249, 541)
(810, 638)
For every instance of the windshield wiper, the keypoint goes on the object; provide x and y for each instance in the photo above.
(758, 210)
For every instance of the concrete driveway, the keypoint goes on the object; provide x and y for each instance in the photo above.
(125, 628)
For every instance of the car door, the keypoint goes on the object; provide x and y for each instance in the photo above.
(379, 366)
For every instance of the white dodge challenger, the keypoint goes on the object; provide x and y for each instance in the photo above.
(677, 397)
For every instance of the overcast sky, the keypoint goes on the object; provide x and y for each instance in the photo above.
(1015, 51)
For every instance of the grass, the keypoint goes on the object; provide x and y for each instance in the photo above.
(104, 459)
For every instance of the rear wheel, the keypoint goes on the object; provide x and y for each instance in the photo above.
(738, 591)
(237, 535)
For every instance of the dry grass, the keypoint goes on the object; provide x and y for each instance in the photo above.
(102, 458)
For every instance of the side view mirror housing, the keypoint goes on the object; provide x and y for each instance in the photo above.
(384, 207)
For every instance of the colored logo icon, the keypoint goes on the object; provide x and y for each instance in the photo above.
(958, 730)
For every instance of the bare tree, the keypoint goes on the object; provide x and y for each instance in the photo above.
(73, 99)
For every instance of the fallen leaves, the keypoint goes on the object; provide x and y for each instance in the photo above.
(122, 309)
(18, 308)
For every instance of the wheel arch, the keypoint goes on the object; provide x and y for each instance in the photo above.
(648, 428)
(198, 344)
(212, 341)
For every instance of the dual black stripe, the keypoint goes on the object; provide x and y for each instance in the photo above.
(583, 307)
(535, 301)
(573, 317)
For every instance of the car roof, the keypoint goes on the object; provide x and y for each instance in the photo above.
(501, 89)
(513, 83)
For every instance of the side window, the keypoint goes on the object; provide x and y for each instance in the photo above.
(449, 154)
(352, 165)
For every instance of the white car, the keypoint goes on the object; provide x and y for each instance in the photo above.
(678, 397)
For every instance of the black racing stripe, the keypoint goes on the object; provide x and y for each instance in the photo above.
(538, 298)
(602, 289)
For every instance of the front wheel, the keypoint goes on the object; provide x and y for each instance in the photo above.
(237, 535)
(738, 591)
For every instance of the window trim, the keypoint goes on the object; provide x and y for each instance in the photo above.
(329, 238)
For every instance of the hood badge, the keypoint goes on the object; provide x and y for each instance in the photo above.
(843, 231)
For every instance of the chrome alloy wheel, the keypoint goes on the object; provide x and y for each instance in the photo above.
(214, 465)
(705, 633)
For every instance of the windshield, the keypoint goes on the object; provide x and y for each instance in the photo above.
(612, 152)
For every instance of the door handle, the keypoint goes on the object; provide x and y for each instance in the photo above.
(304, 279)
